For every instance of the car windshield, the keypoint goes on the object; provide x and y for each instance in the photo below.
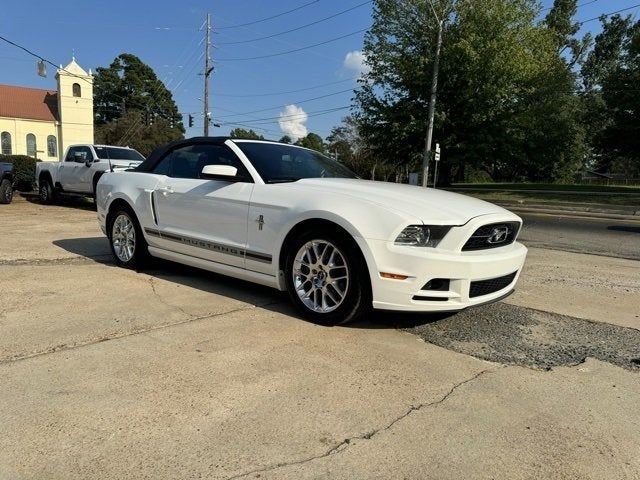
(115, 153)
(277, 163)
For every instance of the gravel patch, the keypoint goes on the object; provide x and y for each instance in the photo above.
(522, 336)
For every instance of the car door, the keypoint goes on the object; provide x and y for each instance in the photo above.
(201, 217)
(73, 168)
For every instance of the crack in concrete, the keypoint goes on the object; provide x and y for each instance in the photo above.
(141, 331)
(164, 302)
(34, 262)
(347, 442)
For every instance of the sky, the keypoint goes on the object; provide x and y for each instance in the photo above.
(292, 93)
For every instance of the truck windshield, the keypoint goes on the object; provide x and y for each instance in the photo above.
(114, 153)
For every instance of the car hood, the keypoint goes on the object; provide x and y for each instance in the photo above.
(432, 206)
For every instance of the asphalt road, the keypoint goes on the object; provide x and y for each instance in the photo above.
(612, 238)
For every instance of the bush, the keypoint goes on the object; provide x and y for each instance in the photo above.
(24, 170)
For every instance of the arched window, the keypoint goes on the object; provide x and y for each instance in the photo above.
(52, 146)
(31, 145)
(5, 140)
(77, 91)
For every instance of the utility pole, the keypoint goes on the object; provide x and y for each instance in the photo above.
(208, 68)
(432, 102)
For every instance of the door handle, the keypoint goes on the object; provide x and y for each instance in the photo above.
(165, 190)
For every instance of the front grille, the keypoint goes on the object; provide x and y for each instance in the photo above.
(485, 287)
(492, 236)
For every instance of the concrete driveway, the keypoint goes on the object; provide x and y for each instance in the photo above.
(177, 373)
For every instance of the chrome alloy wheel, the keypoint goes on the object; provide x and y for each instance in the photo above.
(320, 276)
(123, 237)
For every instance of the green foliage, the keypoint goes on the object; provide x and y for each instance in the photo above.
(286, 139)
(506, 101)
(312, 141)
(146, 137)
(129, 89)
(24, 170)
(611, 76)
(246, 134)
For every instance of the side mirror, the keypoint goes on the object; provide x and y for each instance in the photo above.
(88, 162)
(220, 172)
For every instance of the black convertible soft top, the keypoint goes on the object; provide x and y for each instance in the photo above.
(160, 152)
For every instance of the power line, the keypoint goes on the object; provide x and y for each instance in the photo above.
(289, 103)
(293, 116)
(577, 6)
(271, 17)
(273, 94)
(295, 50)
(604, 15)
(298, 28)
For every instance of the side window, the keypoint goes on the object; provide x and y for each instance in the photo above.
(218, 155)
(5, 138)
(52, 146)
(86, 153)
(188, 161)
(32, 148)
(70, 154)
(164, 166)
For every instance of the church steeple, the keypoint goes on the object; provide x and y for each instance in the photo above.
(75, 103)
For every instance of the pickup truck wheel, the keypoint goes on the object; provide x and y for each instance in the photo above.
(325, 278)
(6, 191)
(46, 191)
(128, 244)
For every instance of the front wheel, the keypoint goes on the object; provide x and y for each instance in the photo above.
(46, 191)
(326, 278)
(6, 191)
(128, 246)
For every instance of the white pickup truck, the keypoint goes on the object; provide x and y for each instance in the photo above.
(81, 168)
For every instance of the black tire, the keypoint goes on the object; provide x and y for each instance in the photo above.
(6, 191)
(357, 297)
(140, 254)
(47, 194)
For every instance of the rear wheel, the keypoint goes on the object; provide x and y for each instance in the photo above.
(46, 191)
(6, 191)
(325, 278)
(128, 245)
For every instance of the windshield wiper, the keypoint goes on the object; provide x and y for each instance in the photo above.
(283, 180)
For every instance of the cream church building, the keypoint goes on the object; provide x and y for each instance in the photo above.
(42, 123)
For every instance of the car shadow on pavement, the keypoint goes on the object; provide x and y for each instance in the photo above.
(67, 201)
(97, 249)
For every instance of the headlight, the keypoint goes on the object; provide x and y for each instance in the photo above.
(422, 235)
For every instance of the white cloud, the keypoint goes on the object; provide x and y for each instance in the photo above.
(356, 61)
(292, 121)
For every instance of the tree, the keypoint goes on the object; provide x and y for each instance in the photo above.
(130, 84)
(619, 142)
(132, 107)
(608, 92)
(286, 139)
(131, 130)
(506, 102)
(246, 134)
(560, 22)
(312, 141)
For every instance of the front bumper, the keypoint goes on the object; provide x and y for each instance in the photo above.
(421, 265)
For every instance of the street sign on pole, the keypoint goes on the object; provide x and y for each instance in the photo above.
(437, 159)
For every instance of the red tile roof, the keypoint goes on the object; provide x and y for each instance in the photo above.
(31, 103)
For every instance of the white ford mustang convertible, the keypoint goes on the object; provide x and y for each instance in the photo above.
(293, 219)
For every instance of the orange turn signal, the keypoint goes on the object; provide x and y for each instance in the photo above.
(393, 276)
